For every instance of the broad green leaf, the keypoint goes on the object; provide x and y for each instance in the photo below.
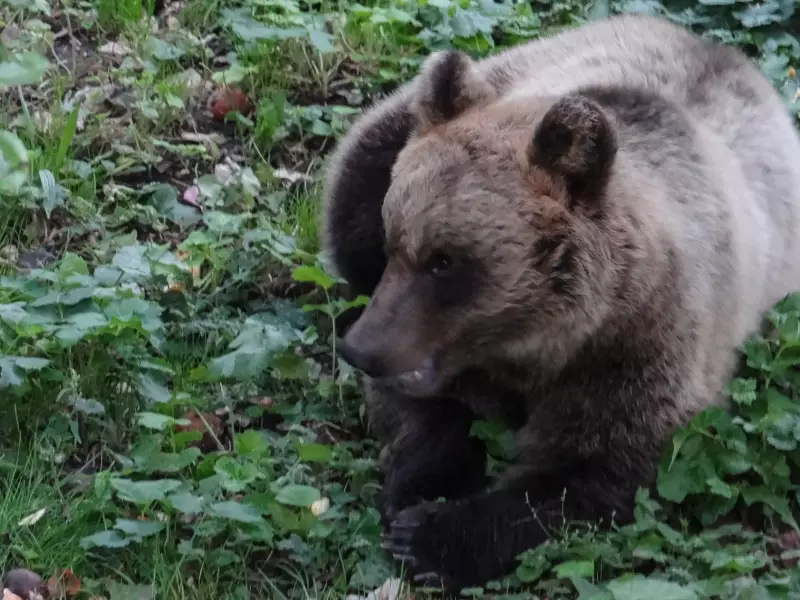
(157, 421)
(575, 568)
(185, 502)
(165, 199)
(235, 511)
(144, 492)
(314, 452)
(322, 41)
(138, 529)
(129, 591)
(313, 274)
(587, 591)
(105, 539)
(13, 313)
(9, 365)
(252, 350)
(25, 68)
(251, 443)
(12, 150)
(152, 390)
(72, 264)
(298, 495)
(238, 474)
(131, 260)
(640, 588)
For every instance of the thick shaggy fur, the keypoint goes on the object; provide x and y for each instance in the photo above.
(573, 236)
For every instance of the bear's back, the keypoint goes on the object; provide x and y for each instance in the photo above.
(712, 145)
(741, 179)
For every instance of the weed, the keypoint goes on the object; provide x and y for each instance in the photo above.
(177, 422)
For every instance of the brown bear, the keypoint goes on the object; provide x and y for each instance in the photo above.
(573, 236)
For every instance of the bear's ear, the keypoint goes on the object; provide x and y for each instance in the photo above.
(576, 142)
(448, 85)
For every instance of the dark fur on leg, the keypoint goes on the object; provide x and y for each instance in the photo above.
(428, 451)
(478, 538)
(358, 178)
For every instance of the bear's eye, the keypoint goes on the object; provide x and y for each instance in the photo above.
(438, 264)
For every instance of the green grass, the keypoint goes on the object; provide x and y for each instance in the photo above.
(172, 404)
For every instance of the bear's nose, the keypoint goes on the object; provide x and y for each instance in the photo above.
(358, 358)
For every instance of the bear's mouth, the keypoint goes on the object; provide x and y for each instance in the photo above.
(420, 382)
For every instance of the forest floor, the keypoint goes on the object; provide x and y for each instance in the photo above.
(176, 423)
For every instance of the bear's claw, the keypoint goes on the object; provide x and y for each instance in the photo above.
(404, 540)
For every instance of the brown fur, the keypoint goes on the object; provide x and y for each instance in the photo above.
(573, 236)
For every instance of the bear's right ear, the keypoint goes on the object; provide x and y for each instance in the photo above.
(448, 85)
(576, 142)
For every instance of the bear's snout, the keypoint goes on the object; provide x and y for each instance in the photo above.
(361, 358)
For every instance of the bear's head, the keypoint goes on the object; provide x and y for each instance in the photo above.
(498, 236)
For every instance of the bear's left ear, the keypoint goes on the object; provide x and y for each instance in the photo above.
(448, 85)
(575, 141)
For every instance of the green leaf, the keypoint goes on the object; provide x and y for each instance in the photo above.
(26, 68)
(12, 150)
(162, 50)
(639, 588)
(138, 529)
(69, 298)
(235, 511)
(743, 391)
(13, 313)
(131, 260)
(298, 495)
(11, 365)
(72, 264)
(313, 274)
(53, 194)
(144, 492)
(151, 390)
(185, 502)
(165, 199)
(587, 591)
(105, 539)
(251, 443)
(321, 40)
(253, 348)
(159, 422)
(314, 452)
(129, 591)
(575, 568)
(238, 474)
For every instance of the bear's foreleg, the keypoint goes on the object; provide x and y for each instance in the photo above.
(431, 453)
(478, 538)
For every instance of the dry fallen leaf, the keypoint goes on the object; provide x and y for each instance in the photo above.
(390, 590)
(115, 49)
(190, 196)
(32, 518)
(63, 584)
(229, 99)
(211, 433)
(291, 176)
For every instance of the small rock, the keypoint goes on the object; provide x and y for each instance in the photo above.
(390, 590)
(23, 583)
(228, 99)
(208, 442)
(320, 506)
(115, 49)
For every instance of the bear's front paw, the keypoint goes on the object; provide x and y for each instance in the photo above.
(398, 493)
(414, 539)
